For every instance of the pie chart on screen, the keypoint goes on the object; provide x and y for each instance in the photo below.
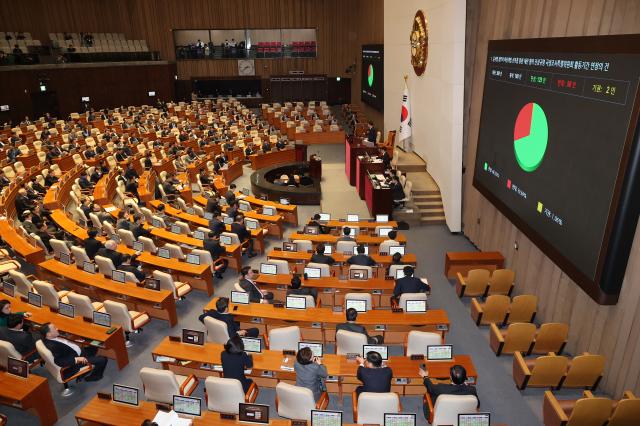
(530, 137)
(370, 75)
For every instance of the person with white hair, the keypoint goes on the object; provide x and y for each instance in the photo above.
(109, 250)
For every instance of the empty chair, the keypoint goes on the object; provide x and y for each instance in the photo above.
(217, 331)
(501, 282)
(77, 159)
(523, 309)
(369, 270)
(126, 237)
(404, 297)
(96, 221)
(349, 342)
(56, 370)
(370, 407)
(178, 288)
(9, 172)
(80, 256)
(161, 385)
(476, 283)
(105, 265)
(223, 395)
(184, 227)
(544, 371)
(149, 245)
(39, 243)
(50, 297)
(586, 411)
(325, 270)
(447, 407)
(517, 337)
(19, 167)
(394, 268)
(285, 338)
(59, 247)
(22, 282)
(303, 245)
(84, 307)
(206, 259)
(296, 402)
(174, 251)
(585, 371)
(131, 321)
(494, 310)
(627, 411)
(418, 341)
(345, 246)
(551, 337)
(359, 296)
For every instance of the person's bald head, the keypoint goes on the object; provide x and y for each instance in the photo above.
(111, 245)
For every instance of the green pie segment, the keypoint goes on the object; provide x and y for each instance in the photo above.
(531, 134)
(370, 75)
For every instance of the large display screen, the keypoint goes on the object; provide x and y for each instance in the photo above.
(556, 136)
(372, 73)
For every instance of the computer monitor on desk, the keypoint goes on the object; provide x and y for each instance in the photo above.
(311, 272)
(358, 305)
(187, 405)
(396, 249)
(193, 337)
(353, 218)
(164, 253)
(325, 217)
(382, 218)
(316, 348)
(125, 394)
(17, 367)
(225, 240)
(381, 349)
(252, 344)
(138, 246)
(253, 413)
(399, 419)
(474, 419)
(240, 297)
(439, 352)
(326, 418)
(296, 302)
(289, 246)
(193, 259)
(268, 269)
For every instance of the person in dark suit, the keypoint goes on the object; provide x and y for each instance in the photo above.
(138, 228)
(216, 224)
(235, 360)
(131, 187)
(84, 182)
(350, 325)
(346, 234)
(109, 250)
(296, 288)
(457, 387)
(320, 257)
(386, 159)
(22, 202)
(221, 313)
(238, 228)
(315, 221)
(70, 356)
(213, 246)
(45, 236)
(130, 172)
(372, 133)
(409, 284)
(212, 206)
(91, 244)
(231, 194)
(248, 284)
(128, 265)
(397, 193)
(21, 340)
(374, 377)
(361, 258)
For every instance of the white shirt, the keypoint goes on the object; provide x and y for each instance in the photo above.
(69, 343)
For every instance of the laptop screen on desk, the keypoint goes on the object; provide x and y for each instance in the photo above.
(381, 349)
(296, 302)
(187, 405)
(312, 272)
(193, 259)
(193, 337)
(268, 269)
(18, 367)
(382, 218)
(353, 218)
(240, 297)
(326, 418)
(439, 352)
(396, 249)
(316, 348)
(393, 419)
(252, 344)
(253, 413)
(358, 305)
(474, 419)
(164, 253)
(125, 394)
(66, 309)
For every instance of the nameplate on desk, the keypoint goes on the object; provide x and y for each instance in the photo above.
(298, 423)
(331, 379)
(380, 327)
(267, 373)
(316, 325)
(104, 395)
(175, 339)
(397, 310)
(415, 357)
(328, 290)
(227, 416)
(376, 291)
(442, 327)
(402, 381)
(256, 320)
(288, 352)
(383, 253)
(278, 305)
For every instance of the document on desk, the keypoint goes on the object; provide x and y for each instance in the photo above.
(170, 418)
(110, 209)
(380, 177)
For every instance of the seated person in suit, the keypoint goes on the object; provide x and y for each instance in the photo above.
(296, 288)
(221, 313)
(346, 234)
(361, 258)
(213, 246)
(109, 250)
(391, 239)
(70, 356)
(216, 224)
(320, 257)
(130, 265)
(351, 325)
(315, 221)
(310, 372)
(235, 360)
(457, 386)
(238, 228)
(409, 284)
(396, 259)
(247, 282)
(45, 236)
(372, 133)
(204, 177)
(397, 191)
(92, 244)
(137, 228)
(84, 181)
(230, 196)
(374, 376)
(21, 340)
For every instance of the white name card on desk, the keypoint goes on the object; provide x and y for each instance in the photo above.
(170, 418)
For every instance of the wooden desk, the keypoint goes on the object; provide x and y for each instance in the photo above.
(158, 304)
(258, 161)
(324, 137)
(363, 167)
(362, 224)
(379, 200)
(198, 276)
(107, 413)
(331, 290)
(318, 324)
(343, 370)
(112, 345)
(20, 245)
(288, 211)
(463, 261)
(233, 171)
(373, 241)
(30, 394)
(352, 150)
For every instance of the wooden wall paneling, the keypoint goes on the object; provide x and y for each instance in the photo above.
(613, 331)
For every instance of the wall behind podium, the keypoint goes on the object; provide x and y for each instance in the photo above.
(436, 96)
(613, 331)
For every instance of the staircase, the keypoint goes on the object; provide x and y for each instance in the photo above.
(427, 201)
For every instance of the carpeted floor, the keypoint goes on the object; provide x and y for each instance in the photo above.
(497, 391)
